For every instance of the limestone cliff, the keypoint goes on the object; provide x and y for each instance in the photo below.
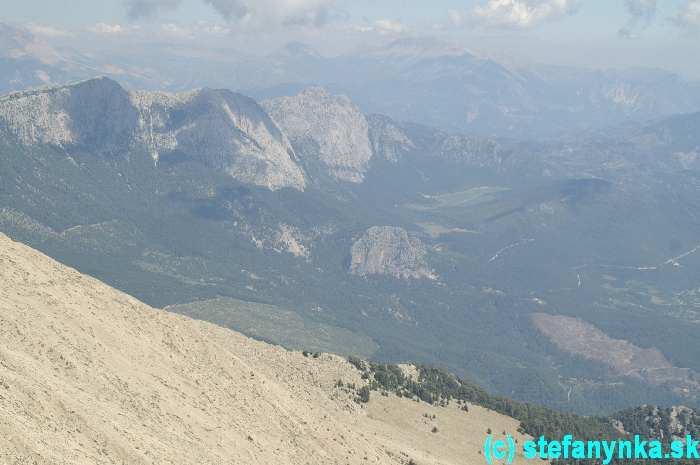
(220, 129)
(326, 129)
(390, 251)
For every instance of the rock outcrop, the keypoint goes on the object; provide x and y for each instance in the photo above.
(94, 115)
(220, 129)
(388, 140)
(389, 251)
(327, 130)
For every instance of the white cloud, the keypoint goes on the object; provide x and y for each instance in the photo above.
(137, 9)
(172, 29)
(641, 13)
(213, 29)
(47, 31)
(641, 9)
(192, 31)
(389, 26)
(108, 29)
(524, 13)
(456, 18)
(689, 16)
(381, 26)
(164, 30)
(275, 12)
(252, 13)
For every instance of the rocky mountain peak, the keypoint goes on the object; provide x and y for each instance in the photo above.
(220, 129)
(326, 129)
(392, 251)
(94, 115)
(388, 140)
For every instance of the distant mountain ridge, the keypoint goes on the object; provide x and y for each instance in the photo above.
(421, 81)
(418, 80)
(308, 136)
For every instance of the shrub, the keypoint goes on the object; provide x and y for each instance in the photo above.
(363, 395)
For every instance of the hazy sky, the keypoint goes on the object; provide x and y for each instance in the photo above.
(600, 33)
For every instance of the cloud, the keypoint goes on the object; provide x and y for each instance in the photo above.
(456, 18)
(213, 29)
(252, 13)
(108, 29)
(277, 12)
(381, 26)
(137, 9)
(641, 14)
(175, 30)
(689, 16)
(522, 13)
(47, 31)
(389, 26)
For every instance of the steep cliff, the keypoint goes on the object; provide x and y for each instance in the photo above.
(326, 129)
(390, 251)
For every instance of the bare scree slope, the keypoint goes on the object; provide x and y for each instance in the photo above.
(89, 375)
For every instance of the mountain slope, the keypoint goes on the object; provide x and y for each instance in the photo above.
(91, 375)
(601, 228)
(455, 90)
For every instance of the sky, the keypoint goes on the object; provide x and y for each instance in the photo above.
(592, 33)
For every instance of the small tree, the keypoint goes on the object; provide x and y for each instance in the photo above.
(363, 395)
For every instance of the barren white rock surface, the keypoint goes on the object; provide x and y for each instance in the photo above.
(391, 251)
(388, 140)
(220, 129)
(38, 117)
(328, 127)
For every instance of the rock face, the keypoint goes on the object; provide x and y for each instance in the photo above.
(390, 251)
(388, 140)
(92, 115)
(90, 375)
(219, 129)
(325, 129)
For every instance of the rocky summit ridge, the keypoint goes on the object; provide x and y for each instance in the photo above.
(282, 143)
(330, 129)
(220, 129)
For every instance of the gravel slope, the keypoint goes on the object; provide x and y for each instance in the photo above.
(89, 375)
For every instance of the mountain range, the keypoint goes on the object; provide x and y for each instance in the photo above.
(302, 220)
(415, 79)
